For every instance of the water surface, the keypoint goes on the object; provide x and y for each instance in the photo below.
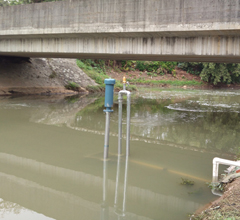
(51, 153)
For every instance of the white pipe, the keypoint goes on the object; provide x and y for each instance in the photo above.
(217, 161)
(117, 183)
(120, 95)
(128, 124)
(120, 123)
(106, 138)
(125, 186)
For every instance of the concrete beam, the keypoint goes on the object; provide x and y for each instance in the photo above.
(202, 49)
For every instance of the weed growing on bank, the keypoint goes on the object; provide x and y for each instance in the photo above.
(213, 73)
(97, 72)
(72, 86)
(168, 82)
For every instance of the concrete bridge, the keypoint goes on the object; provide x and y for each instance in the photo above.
(179, 30)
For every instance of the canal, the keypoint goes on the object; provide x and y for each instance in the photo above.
(51, 151)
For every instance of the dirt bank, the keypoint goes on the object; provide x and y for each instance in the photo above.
(226, 207)
(179, 75)
(40, 76)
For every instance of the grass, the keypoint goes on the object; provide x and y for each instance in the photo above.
(169, 82)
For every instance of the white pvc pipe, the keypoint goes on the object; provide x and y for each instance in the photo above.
(128, 124)
(217, 161)
(106, 138)
(120, 99)
(125, 186)
(117, 183)
(120, 94)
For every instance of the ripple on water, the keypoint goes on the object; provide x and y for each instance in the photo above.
(205, 106)
(14, 106)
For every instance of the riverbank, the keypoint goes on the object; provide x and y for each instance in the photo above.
(166, 77)
(34, 76)
(227, 207)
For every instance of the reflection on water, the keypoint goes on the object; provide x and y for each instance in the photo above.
(12, 211)
(197, 120)
(51, 152)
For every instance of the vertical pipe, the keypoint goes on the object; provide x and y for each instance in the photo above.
(125, 186)
(104, 180)
(119, 123)
(215, 172)
(109, 92)
(106, 138)
(104, 206)
(128, 124)
(117, 183)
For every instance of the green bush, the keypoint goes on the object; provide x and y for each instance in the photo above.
(220, 73)
(194, 68)
(158, 67)
(140, 66)
(127, 65)
(168, 66)
(213, 72)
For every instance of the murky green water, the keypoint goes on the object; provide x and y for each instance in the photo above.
(51, 152)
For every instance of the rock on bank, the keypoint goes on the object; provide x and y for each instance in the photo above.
(40, 76)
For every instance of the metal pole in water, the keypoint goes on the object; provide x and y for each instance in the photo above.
(120, 99)
(106, 138)
(128, 124)
(117, 183)
(109, 90)
(120, 123)
(125, 187)
(104, 206)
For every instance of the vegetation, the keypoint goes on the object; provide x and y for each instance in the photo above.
(187, 182)
(169, 82)
(96, 69)
(21, 2)
(72, 86)
(217, 186)
(158, 67)
(214, 72)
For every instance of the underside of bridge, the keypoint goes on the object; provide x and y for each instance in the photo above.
(180, 58)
